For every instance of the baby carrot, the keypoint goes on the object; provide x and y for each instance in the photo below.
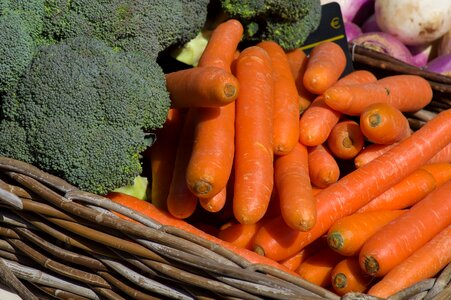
(382, 123)
(399, 239)
(408, 93)
(291, 175)
(325, 65)
(286, 103)
(424, 263)
(347, 235)
(240, 235)
(216, 202)
(253, 141)
(347, 276)
(348, 194)
(345, 139)
(201, 87)
(323, 168)
(298, 63)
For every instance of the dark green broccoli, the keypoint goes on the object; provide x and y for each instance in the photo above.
(286, 22)
(87, 112)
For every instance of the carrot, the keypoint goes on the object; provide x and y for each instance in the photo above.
(239, 234)
(444, 156)
(317, 268)
(407, 93)
(253, 141)
(382, 123)
(345, 139)
(424, 263)
(347, 235)
(405, 193)
(215, 203)
(323, 168)
(211, 160)
(278, 241)
(397, 240)
(370, 152)
(201, 87)
(347, 276)
(297, 204)
(440, 171)
(162, 157)
(298, 63)
(181, 203)
(286, 100)
(312, 132)
(325, 65)
(293, 262)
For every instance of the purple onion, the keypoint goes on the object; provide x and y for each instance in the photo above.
(441, 64)
(352, 30)
(421, 54)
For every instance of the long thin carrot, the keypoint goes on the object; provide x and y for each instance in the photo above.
(347, 276)
(253, 141)
(325, 65)
(405, 193)
(382, 123)
(297, 203)
(397, 240)
(312, 132)
(358, 187)
(345, 139)
(347, 235)
(201, 87)
(406, 92)
(323, 168)
(240, 235)
(424, 263)
(215, 203)
(162, 157)
(286, 103)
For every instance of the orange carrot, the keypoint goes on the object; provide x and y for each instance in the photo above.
(347, 235)
(298, 63)
(440, 171)
(162, 157)
(215, 203)
(347, 276)
(253, 141)
(312, 132)
(408, 93)
(382, 123)
(357, 188)
(424, 263)
(317, 268)
(345, 139)
(181, 202)
(297, 204)
(286, 103)
(325, 65)
(211, 159)
(323, 168)
(201, 87)
(370, 152)
(240, 235)
(405, 193)
(399, 239)
(293, 262)
(444, 156)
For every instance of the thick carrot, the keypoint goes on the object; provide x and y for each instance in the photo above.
(408, 93)
(370, 152)
(405, 193)
(345, 139)
(347, 276)
(397, 240)
(357, 188)
(440, 171)
(253, 141)
(424, 263)
(211, 160)
(444, 156)
(323, 168)
(297, 203)
(162, 157)
(201, 87)
(382, 123)
(286, 100)
(312, 132)
(240, 235)
(347, 235)
(298, 63)
(325, 65)
(318, 268)
(216, 202)
(181, 203)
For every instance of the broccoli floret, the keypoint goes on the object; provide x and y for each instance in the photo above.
(87, 112)
(286, 22)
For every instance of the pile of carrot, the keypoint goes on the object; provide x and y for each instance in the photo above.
(284, 155)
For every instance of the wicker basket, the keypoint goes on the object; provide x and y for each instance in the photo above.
(58, 242)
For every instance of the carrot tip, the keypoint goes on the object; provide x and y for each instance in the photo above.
(335, 240)
(259, 250)
(371, 265)
(340, 281)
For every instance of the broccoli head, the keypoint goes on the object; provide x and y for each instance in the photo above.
(87, 112)
(286, 22)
